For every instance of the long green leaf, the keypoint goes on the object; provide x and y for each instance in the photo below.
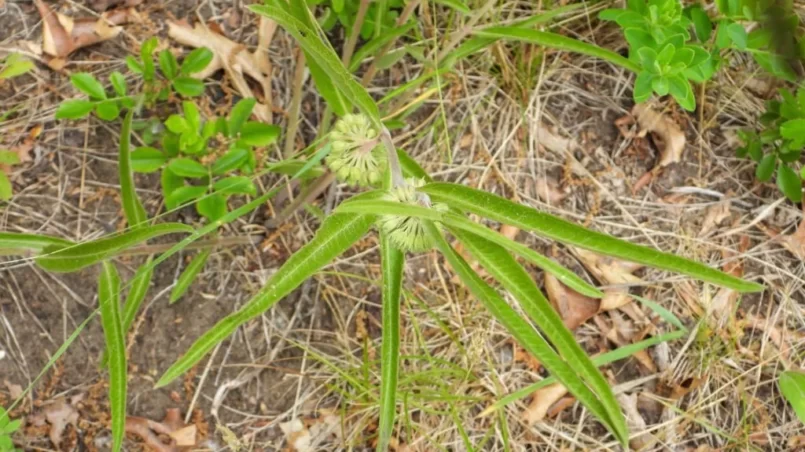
(564, 275)
(58, 258)
(132, 207)
(109, 299)
(500, 209)
(792, 385)
(139, 288)
(522, 331)
(393, 261)
(189, 275)
(13, 243)
(336, 234)
(557, 41)
(477, 43)
(328, 90)
(600, 360)
(502, 266)
(394, 208)
(322, 54)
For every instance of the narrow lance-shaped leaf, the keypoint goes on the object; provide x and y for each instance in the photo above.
(189, 275)
(109, 299)
(392, 261)
(14, 243)
(557, 41)
(132, 207)
(500, 209)
(137, 292)
(502, 266)
(324, 56)
(394, 208)
(335, 235)
(522, 331)
(58, 258)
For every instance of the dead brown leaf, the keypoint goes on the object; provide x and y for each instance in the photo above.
(541, 402)
(722, 305)
(234, 59)
(611, 272)
(635, 422)
(63, 35)
(59, 415)
(103, 5)
(715, 215)
(310, 434)
(573, 307)
(672, 139)
(548, 191)
(181, 434)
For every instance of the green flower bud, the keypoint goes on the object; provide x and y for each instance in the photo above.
(356, 155)
(406, 233)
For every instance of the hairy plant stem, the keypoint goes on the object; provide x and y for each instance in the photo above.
(225, 242)
(349, 47)
(296, 103)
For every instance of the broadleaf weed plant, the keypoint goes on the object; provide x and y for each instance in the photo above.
(411, 212)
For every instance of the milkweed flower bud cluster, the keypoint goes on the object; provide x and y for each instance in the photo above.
(405, 232)
(356, 155)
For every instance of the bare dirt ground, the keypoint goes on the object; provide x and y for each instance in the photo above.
(552, 130)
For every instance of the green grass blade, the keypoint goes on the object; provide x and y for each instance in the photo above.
(792, 385)
(457, 5)
(478, 43)
(600, 360)
(139, 288)
(375, 44)
(73, 258)
(502, 266)
(109, 300)
(393, 262)
(557, 41)
(564, 275)
(189, 275)
(500, 209)
(14, 243)
(523, 332)
(336, 235)
(323, 55)
(410, 167)
(132, 207)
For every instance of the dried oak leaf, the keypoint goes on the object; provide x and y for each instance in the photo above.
(59, 415)
(541, 402)
(573, 307)
(63, 35)
(173, 426)
(667, 131)
(234, 59)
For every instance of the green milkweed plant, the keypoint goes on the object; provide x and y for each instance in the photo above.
(410, 212)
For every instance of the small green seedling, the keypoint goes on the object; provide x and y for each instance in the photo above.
(206, 161)
(156, 85)
(660, 42)
(778, 146)
(7, 430)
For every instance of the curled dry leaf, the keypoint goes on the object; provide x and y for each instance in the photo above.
(716, 214)
(63, 35)
(541, 402)
(233, 58)
(611, 272)
(640, 439)
(669, 134)
(59, 415)
(573, 307)
(310, 434)
(173, 426)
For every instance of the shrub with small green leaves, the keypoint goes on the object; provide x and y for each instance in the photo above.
(205, 161)
(778, 145)
(7, 429)
(658, 34)
(156, 84)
